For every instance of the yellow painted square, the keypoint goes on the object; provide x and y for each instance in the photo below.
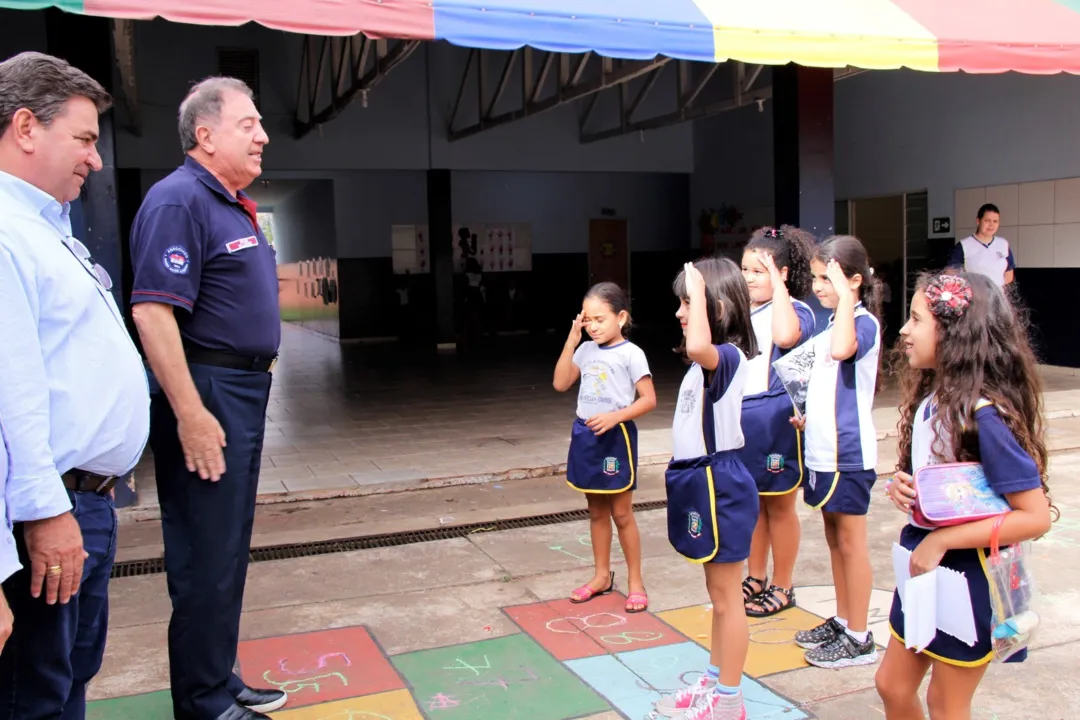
(772, 639)
(396, 705)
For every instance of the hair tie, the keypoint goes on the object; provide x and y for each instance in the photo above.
(871, 272)
(772, 233)
(948, 295)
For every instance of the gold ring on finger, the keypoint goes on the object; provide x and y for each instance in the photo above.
(55, 569)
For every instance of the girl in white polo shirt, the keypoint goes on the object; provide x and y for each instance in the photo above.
(841, 444)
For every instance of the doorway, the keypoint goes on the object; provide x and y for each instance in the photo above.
(609, 252)
(894, 231)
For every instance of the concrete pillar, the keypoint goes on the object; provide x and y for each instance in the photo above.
(441, 236)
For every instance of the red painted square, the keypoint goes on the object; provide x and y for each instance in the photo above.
(319, 667)
(599, 627)
(547, 627)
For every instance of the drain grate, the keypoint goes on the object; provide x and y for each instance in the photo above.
(154, 566)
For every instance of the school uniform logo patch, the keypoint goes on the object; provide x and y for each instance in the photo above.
(237, 245)
(177, 260)
(611, 466)
(774, 463)
(694, 524)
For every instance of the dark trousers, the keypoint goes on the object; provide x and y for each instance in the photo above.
(55, 650)
(207, 532)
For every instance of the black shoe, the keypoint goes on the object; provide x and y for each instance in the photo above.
(239, 712)
(262, 700)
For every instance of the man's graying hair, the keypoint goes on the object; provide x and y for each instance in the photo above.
(43, 84)
(204, 103)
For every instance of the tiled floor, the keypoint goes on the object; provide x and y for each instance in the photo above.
(345, 416)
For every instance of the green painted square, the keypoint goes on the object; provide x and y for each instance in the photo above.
(151, 706)
(499, 679)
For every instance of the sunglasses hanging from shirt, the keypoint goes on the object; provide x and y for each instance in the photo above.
(82, 254)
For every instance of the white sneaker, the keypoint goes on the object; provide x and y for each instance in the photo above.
(718, 706)
(675, 704)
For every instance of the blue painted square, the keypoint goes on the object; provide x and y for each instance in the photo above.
(669, 668)
(620, 687)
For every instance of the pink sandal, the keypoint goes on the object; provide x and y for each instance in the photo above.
(585, 593)
(636, 598)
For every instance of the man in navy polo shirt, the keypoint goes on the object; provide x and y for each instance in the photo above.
(205, 302)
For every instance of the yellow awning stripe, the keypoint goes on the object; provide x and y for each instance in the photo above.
(872, 34)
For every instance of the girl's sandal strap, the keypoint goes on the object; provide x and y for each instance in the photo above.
(768, 605)
(749, 590)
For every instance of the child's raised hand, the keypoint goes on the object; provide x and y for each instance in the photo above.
(695, 283)
(901, 490)
(770, 266)
(574, 338)
(836, 276)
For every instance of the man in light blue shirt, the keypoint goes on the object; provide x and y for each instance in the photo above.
(9, 557)
(73, 391)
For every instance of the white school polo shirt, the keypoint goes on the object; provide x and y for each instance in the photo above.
(840, 433)
(992, 260)
(708, 419)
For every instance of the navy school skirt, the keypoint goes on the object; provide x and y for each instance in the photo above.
(944, 647)
(712, 508)
(606, 464)
(773, 452)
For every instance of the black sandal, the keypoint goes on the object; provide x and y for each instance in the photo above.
(748, 591)
(768, 604)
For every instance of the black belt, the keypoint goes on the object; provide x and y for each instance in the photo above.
(82, 481)
(223, 359)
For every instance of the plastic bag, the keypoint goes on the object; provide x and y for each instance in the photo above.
(793, 369)
(1012, 596)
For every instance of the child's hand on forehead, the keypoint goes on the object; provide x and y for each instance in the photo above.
(836, 276)
(695, 283)
(770, 265)
(575, 330)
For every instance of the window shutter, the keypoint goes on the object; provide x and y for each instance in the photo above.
(242, 64)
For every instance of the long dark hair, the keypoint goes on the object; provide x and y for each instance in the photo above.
(849, 253)
(728, 301)
(982, 353)
(615, 298)
(791, 248)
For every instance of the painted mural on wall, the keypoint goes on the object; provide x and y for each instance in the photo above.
(308, 292)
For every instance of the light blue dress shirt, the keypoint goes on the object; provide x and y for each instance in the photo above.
(73, 390)
(9, 556)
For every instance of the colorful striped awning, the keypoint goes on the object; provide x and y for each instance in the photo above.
(981, 36)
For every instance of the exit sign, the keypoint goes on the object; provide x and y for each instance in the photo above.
(942, 225)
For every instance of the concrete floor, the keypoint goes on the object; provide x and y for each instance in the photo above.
(351, 420)
(476, 627)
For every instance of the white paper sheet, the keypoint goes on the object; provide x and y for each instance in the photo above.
(946, 591)
(920, 611)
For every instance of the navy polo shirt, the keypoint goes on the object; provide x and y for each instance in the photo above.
(195, 246)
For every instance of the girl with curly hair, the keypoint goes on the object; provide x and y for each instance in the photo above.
(971, 393)
(776, 267)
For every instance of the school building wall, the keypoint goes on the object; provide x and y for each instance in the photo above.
(944, 133)
(376, 157)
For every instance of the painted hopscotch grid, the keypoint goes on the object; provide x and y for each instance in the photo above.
(570, 661)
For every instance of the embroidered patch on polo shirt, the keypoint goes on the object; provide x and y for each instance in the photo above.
(242, 243)
(176, 260)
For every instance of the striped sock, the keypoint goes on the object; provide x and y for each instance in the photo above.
(712, 675)
(726, 690)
